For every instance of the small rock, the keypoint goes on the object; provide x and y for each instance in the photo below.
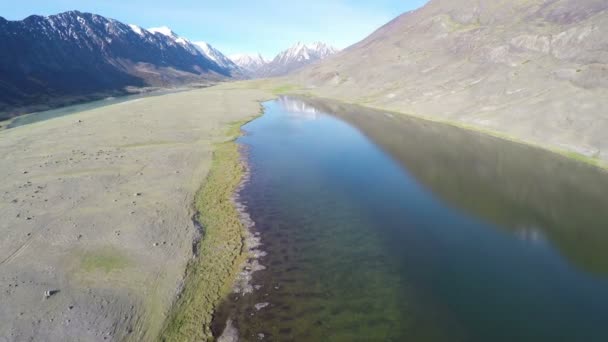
(49, 293)
(137, 194)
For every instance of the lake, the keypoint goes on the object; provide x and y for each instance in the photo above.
(382, 227)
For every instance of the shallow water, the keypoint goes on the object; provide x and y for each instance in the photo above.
(77, 108)
(386, 228)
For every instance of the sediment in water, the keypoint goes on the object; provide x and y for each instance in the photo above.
(222, 251)
(252, 243)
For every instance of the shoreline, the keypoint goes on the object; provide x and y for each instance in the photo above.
(104, 199)
(12, 113)
(225, 223)
(74, 107)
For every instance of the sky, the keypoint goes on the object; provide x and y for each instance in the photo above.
(238, 26)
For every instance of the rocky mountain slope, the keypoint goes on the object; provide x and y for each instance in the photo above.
(197, 48)
(535, 70)
(286, 62)
(218, 57)
(74, 55)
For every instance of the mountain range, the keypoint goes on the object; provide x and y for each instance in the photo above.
(74, 56)
(286, 62)
(534, 70)
(250, 63)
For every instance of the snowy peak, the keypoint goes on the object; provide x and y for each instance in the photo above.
(249, 63)
(301, 52)
(167, 32)
(137, 29)
(203, 49)
(164, 30)
(296, 57)
(215, 55)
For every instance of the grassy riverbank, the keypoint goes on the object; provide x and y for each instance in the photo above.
(104, 198)
(210, 276)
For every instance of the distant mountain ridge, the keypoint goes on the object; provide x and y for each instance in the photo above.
(75, 55)
(250, 63)
(287, 61)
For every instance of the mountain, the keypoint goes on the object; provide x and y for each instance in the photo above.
(73, 56)
(534, 70)
(219, 58)
(290, 60)
(296, 57)
(203, 48)
(250, 63)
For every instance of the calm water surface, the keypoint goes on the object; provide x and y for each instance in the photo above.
(385, 228)
(77, 108)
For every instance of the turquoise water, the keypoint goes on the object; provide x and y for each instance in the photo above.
(384, 228)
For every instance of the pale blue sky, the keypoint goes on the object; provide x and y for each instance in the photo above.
(236, 26)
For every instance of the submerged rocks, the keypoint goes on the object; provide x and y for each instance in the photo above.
(260, 306)
(252, 241)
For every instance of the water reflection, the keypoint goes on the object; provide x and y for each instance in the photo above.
(508, 184)
(379, 227)
(298, 109)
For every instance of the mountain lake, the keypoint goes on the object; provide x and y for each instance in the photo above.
(382, 227)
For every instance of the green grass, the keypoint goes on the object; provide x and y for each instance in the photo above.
(285, 88)
(103, 260)
(209, 277)
(583, 158)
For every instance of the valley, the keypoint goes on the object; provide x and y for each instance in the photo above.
(441, 179)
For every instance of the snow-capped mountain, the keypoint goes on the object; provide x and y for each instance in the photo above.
(75, 54)
(295, 58)
(215, 55)
(302, 53)
(250, 63)
(199, 48)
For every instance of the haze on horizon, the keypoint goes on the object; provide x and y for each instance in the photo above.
(239, 26)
